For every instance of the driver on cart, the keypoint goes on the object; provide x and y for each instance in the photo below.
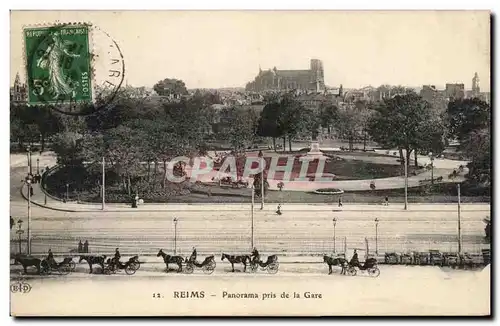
(354, 260)
(255, 256)
(116, 259)
(192, 258)
(50, 258)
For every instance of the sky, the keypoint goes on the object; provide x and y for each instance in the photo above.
(213, 49)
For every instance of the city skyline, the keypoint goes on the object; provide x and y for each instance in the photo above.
(225, 49)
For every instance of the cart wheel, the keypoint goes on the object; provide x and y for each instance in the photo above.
(64, 269)
(352, 271)
(208, 269)
(273, 268)
(374, 272)
(130, 270)
(253, 268)
(188, 269)
(72, 265)
(135, 265)
(107, 270)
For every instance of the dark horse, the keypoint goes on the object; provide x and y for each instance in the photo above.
(270, 259)
(330, 261)
(26, 261)
(91, 260)
(237, 260)
(171, 260)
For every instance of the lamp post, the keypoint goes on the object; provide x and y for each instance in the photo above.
(28, 149)
(431, 156)
(376, 235)
(334, 225)
(67, 191)
(263, 164)
(28, 182)
(253, 201)
(37, 166)
(20, 232)
(175, 235)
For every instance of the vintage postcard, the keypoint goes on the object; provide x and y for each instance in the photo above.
(250, 163)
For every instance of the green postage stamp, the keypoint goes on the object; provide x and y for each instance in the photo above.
(58, 64)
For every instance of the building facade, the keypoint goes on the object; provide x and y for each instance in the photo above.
(455, 91)
(311, 79)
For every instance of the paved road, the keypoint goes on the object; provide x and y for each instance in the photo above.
(398, 290)
(215, 229)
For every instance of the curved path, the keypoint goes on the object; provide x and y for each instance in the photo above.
(442, 168)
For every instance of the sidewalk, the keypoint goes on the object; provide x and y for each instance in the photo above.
(39, 199)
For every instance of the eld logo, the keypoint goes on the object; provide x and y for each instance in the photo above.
(20, 287)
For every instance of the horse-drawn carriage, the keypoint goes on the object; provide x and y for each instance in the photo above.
(228, 181)
(271, 265)
(63, 268)
(131, 266)
(370, 266)
(207, 266)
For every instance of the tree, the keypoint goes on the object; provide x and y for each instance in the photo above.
(469, 121)
(328, 114)
(350, 124)
(67, 147)
(293, 119)
(268, 125)
(407, 123)
(238, 127)
(170, 86)
(467, 115)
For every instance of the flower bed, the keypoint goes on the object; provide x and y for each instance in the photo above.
(329, 191)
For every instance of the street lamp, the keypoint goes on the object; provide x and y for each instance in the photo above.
(431, 156)
(263, 164)
(251, 213)
(376, 235)
(20, 232)
(175, 234)
(28, 182)
(334, 225)
(67, 192)
(28, 149)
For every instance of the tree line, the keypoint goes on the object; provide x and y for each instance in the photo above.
(136, 129)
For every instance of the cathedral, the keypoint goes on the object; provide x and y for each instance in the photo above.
(311, 79)
(18, 93)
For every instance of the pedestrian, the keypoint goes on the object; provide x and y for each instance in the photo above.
(86, 247)
(80, 247)
(31, 190)
(386, 201)
(11, 222)
(340, 201)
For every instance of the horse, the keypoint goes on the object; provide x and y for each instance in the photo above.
(237, 260)
(330, 261)
(171, 259)
(93, 260)
(26, 261)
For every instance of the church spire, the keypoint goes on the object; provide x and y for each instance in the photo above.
(18, 79)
